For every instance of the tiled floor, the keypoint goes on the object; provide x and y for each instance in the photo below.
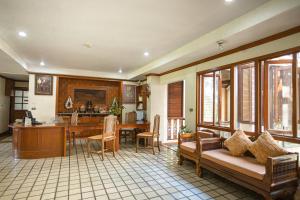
(128, 176)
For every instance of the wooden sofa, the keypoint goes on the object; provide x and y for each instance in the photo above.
(189, 146)
(278, 179)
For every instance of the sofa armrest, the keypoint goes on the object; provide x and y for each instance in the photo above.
(282, 168)
(210, 143)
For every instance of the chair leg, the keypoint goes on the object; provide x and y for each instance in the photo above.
(114, 147)
(74, 139)
(200, 171)
(102, 149)
(197, 168)
(180, 161)
(88, 148)
(137, 144)
(125, 137)
(158, 143)
(153, 146)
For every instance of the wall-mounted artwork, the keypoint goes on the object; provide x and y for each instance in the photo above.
(93, 95)
(128, 94)
(43, 84)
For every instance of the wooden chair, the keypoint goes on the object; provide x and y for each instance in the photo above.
(130, 118)
(189, 147)
(150, 135)
(72, 136)
(109, 134)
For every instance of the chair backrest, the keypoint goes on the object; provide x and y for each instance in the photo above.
(110, 125)
(130, 117)
(74, 118)
(156, 125)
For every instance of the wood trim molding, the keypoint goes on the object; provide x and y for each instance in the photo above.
(84, 77)
(240, 48)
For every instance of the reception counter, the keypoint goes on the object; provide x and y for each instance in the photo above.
(40, 141)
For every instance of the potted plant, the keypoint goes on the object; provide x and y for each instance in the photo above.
(115, 108)
(185, 132)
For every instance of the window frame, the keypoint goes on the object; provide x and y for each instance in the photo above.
(22, 97)
(260, 99)
(200, 96)
(240, 69)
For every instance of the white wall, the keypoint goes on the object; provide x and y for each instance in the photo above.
(4, 107)
(157, 104)
(41, 106)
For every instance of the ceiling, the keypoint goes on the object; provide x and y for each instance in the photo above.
(119, 32)
(10, 68)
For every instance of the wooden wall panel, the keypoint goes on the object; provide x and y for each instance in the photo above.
(66, 88)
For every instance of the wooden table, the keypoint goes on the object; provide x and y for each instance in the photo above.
(81, 127)
(139, 125)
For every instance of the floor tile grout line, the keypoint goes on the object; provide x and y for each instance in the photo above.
(25, 179)
(99, 174)
(47, 177)
(61, 159)
(13, 178)
(37, 176)
(82, 148)
(120, 175)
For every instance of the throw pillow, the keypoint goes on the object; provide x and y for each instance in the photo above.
(264, 147)
(238, 143)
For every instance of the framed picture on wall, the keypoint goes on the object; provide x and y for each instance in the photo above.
(128, 94)
(43, 84)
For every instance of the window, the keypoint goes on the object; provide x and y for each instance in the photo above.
(258, 95)
(279, 95)
(215, 98)
(208, 92)
(246, 96)
(21, 100)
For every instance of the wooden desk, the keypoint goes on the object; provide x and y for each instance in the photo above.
(40, 141)
(81, 127)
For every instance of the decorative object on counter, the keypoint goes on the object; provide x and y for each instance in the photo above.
(104, 109)
(82, 108)
(69, 103)
(96, 109)
(129, 94)
(115, 108)
(89, 106)
(43, 84)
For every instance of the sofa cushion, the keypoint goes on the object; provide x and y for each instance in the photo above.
(188, 146)
(264, 147)
(244, 165)
(238, 143)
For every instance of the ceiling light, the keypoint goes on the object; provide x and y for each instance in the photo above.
(22, 34)
(42, 63)
(120, 71)
(228, 1)
(146, 53)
